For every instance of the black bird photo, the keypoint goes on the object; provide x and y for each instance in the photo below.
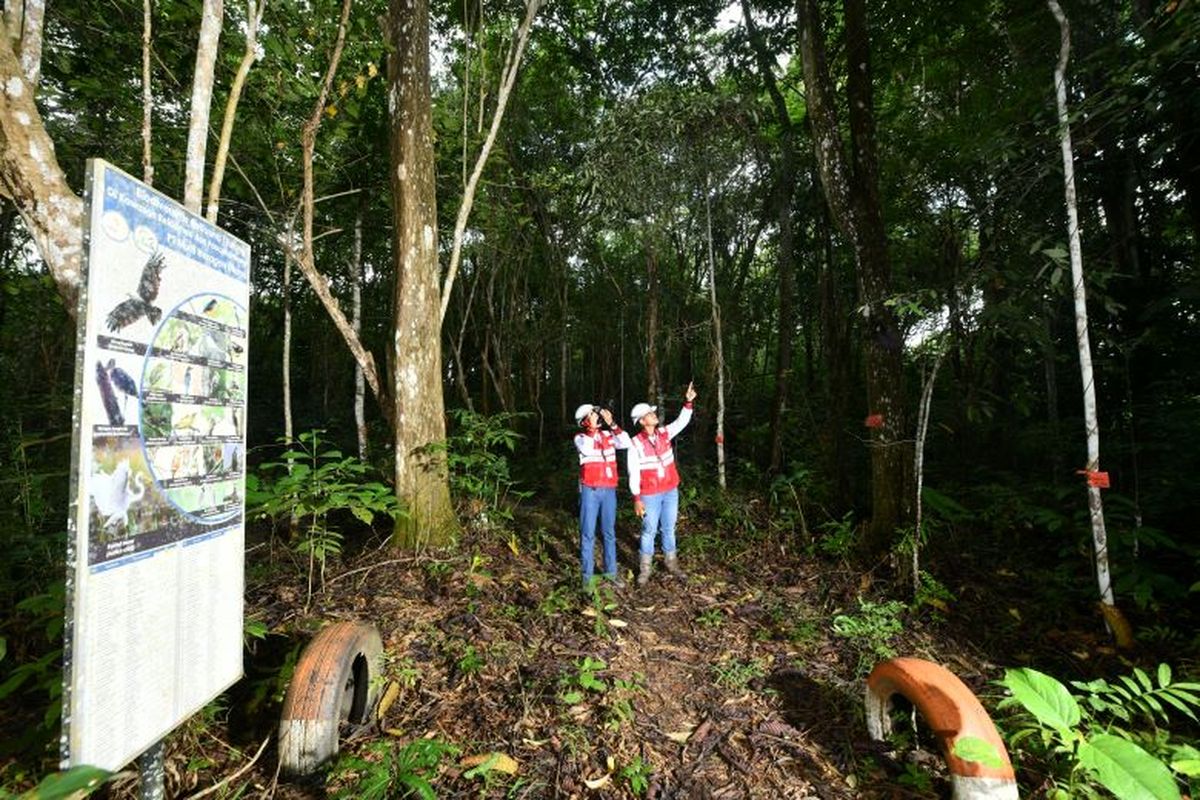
(122, 381)
(111, 408)
(132, 309)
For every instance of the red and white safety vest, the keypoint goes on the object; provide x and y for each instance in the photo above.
(598, 456)
(652, 459)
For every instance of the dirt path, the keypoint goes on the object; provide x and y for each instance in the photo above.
(728, 685)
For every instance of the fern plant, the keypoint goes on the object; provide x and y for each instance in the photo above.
(1086, 744)
(871, 630)
(1131, 696)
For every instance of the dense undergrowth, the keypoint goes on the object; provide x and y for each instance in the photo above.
(744, 681)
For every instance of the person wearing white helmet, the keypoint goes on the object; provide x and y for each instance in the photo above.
(598, 488)
(654, 481)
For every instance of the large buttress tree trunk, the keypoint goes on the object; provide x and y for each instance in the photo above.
(852, 192)
(421, 476)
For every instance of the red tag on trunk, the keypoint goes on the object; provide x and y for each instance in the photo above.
(720, 439)
(1097, 479)
(874, 421)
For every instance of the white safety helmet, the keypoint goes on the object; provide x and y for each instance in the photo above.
(583, 411)
(641, 410)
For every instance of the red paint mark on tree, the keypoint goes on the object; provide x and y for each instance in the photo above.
(874, 421)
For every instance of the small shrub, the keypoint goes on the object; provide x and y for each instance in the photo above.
(309, 482)
(1089, 741)
(871, 630)
(386, 770)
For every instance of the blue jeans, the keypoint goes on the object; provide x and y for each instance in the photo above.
(592, 502)
(661, 508)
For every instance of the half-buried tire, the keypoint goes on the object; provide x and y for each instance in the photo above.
(337, 680)
(953, 713)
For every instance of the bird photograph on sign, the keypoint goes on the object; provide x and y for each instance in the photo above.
(123, 498)
(139, 304)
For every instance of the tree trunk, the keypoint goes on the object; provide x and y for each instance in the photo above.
(854, 203)
(507, 79)
(919, 466)
(1050, 368)
(422, 479)
(718, 349)
(32, 179)
(288, 431)
(1090, 415)
(202, 87)
(785, 188)
(564, 352)
(31, 41)
(460, 373)
(891, 466)
(147, 95)
(254, 12)
(836, 355)
(653, 384)
(360, 419)
(24, 20)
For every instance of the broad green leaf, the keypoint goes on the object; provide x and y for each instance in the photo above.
(1127, 770)
(972, 748)
(65, 784)
(1187, 766)
(1143, 678)
(1044, 697)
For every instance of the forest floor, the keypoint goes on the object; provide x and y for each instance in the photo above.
(732, 684)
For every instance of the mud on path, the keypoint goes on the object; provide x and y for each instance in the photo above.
(731, 684)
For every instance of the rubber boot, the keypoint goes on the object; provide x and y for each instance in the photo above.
(644, 569)
(673, 566)
(616, 580)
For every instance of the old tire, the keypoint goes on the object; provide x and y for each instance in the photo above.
(952, 712)
(336, 680)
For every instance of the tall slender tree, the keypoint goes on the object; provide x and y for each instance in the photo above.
(1079, 294)
(851, 188)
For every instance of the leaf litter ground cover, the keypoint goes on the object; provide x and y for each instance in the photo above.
(745, 681)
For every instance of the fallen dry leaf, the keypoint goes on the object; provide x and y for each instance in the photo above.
(389, 696)
(498, 761)
(598, 782)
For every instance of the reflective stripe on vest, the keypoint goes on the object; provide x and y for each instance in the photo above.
(657, 461)
(599, 469)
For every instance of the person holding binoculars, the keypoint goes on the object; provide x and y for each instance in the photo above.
(654, 481)
(598, 488)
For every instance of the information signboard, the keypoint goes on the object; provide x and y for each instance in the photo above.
(156, 525)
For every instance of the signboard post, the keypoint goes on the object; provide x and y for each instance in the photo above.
(156, 522)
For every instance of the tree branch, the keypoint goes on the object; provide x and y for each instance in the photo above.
(254, 13)
(509, 77)
(31, 177)
(305, 259)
